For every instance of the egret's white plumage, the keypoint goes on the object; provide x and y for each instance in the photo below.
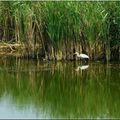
(82, 56)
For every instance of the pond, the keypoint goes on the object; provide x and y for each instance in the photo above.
(35, 89)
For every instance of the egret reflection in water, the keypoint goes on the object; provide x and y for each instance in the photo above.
(82, 67)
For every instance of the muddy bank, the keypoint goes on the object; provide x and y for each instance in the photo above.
(65, 51)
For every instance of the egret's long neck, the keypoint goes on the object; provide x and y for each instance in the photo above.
(78, 54)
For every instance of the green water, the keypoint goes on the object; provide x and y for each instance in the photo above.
(35, 89)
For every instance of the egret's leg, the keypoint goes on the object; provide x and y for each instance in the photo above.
(80, 61)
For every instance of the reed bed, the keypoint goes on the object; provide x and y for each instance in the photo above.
(55, 30)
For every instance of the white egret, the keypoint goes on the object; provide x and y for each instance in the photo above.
(82, 56)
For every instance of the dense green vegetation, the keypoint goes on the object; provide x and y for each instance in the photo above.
(55, 30)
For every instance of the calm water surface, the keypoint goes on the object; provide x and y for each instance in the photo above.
(35, 89)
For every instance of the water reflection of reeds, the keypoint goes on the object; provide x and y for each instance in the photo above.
(58, 89)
